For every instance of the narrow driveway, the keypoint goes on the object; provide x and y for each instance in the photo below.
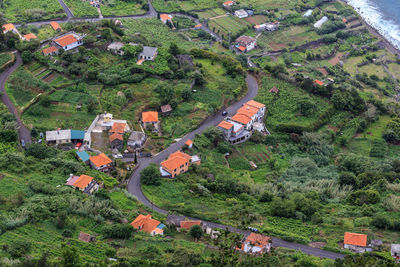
(135, 189)
(66, 9)
(23, 132)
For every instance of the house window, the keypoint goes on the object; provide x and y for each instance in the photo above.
(175, 170)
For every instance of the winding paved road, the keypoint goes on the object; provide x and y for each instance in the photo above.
(135, 189)
(23, 132)
(66, 9)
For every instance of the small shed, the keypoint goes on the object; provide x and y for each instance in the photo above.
(83, 156)
(166, 109)
(86, 237)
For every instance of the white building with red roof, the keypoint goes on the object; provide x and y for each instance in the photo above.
(68, 41)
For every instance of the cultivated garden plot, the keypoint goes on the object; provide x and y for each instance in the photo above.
(81, 8)
(111, 8)
(174, 6)
(228, 25)
(18, 11)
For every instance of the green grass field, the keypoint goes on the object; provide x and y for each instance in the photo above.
(226, 25)
(174, 6)
(121, 8)
(211, 13)
(5, 58)
(81, 8)
(21, 11)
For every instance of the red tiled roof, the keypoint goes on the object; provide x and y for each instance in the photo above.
(355, 239)
(118, 127)
(66, 40)
(146, 223)
(165, 17)
(319, 82)
(257, 240)
(8, 27)
(84, 237)
(189, 142)
(198, 26)
(176, 160)
(55, 25)
(228, 3)
(83, 181)
(274, 90)
(241, 118)
(248, 110)
(242, 48)
(226, 125)
(50, 50)
(189, 224)
(100, 160)
(30, 36)
(255, 104)
(150, 116)
(116, 136)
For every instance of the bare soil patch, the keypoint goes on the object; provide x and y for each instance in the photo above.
(335, 60)
(276, 46)
(323, 71)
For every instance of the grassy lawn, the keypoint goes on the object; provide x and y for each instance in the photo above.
(282, 108)
(288, 37)
(46, 32)
(81, 8)
(121, 8)
(228, 24)
(157, 33)
(20, 11)
(5, 58)
(211, 13)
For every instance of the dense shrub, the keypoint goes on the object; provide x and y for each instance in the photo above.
(122, 231)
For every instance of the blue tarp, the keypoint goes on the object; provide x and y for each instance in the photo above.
(161, 226)
(84, 156)
(76, 135)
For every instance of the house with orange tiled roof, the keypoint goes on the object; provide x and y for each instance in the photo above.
(118, 127)
(84, 183)
(256, 243)
(116, 141)
(245, 43)
(355, 242)
(9, 28)
(29, 36)
(175, 164)
(52, 50)
(55, 26)
(146, 224)
(101, 162)
(189, 143)
(228, 3)
(321, 83)
(68, 41)
(239, 127)
(165, 17)
(150, 119)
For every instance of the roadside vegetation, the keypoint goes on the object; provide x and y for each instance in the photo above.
(20, 11)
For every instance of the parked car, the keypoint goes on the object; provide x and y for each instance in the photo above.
(252, 229)
(118, 156)
(78, 145)
(23, 143)
(224, 113)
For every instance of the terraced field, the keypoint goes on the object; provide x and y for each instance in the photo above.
(224, 26)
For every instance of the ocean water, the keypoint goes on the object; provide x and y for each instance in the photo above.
(383, 15)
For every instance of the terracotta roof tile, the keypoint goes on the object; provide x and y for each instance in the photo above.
(248, 110)
(189, 142)
(85, 237)
(241, 118)
(256, 104)
(189, 224)
(146, 223)
(66, 40)
(83, 181)
(8, 27)
(150, 116)
(355, 239)
(116, 136)
(226, 125)
(50, 50)
(100, 160)
(319, 82)
(118, 127)
(227, 3)
(165, 17)
(258, 240)
(55, 25)
(174, 163)
(29, 36)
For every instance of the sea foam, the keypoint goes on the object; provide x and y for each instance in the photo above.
(372, 13)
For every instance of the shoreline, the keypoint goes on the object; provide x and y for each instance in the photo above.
(388, 45)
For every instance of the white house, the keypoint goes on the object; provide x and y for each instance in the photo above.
(246, 43)
(241, 13)
(68, 41)
(9, 28)
(395, 251)
(148, 53)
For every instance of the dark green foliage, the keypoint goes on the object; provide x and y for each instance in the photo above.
(18, 248)
(8, 136)
(361, 197)
(331, 26)
(70, 257)
(40, 151)
(392, 131)
(123, 231)
(348, 100)
(150, 175)
(266, 197)
(365, 259)
(26, 57)
(196, 232)
(347, 178)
